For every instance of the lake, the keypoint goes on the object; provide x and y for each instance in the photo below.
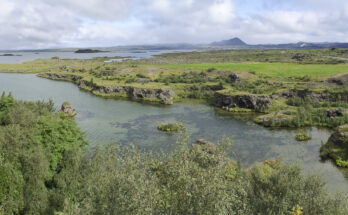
(128, 122)
(23, 56)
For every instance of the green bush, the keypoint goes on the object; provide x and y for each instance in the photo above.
(44, 169)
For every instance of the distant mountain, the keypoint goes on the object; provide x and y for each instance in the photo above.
(303, 45)
(231, 42)
(300, 45)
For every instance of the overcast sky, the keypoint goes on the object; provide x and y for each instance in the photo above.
(30, 24)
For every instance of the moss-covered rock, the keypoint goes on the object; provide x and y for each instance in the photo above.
(337, 147)
(248, 101)
(275, 119)
(67, 109)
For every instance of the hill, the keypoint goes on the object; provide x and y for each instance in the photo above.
(231, 42)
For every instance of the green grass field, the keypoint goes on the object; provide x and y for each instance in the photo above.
(271, 69)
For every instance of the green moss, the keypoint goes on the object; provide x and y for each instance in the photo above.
(303, 137)
(238, 110)
(171, 127)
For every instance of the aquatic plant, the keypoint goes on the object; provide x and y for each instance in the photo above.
(172, 127)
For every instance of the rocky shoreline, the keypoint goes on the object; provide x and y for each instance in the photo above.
(164, 96)
(336, 147)
(268, 105)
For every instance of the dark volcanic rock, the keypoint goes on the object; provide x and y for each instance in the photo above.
(108, 73)
(341, 80)
(316, 96)
(336, 147)
(234, 78)
(165, 95)
(249, 101)
(332, 113)
(340, 136)
(214, 87)
(58, 76)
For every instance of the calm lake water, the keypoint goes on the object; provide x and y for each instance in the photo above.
(20, 57)
(127, 122)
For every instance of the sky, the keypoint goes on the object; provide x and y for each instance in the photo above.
(40, 24)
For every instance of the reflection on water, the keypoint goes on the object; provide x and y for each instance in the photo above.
(127, 122)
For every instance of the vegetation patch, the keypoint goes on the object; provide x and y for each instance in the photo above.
(172, 127)
(303, 136)
(45, 156)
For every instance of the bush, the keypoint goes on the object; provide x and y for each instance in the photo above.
(44, 169)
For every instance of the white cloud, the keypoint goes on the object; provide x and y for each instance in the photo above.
(46, 23)
(222, 11)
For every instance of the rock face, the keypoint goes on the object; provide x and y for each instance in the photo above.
(235, 78)
(278, 119)
(203, 145)
(332, 113)
(340, 137)
(316, 96)
(341, 80)
(165, 95)
(336, 147)
(67, 109)
(56, 76)
(248, 101)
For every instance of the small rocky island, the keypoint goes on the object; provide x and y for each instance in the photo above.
(337, 147)
(9, 55)
(85, 51)
(67, 110)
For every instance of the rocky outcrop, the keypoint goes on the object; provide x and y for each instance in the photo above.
(248, 101)
(332, 113)
(340, 136)
(234, 78)
(58, 76)
(341, 80)
(277, 119)
(67, 109)
(166, 96)
(315, 95)
(336, 147)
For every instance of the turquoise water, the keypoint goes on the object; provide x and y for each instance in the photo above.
(128, 122)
